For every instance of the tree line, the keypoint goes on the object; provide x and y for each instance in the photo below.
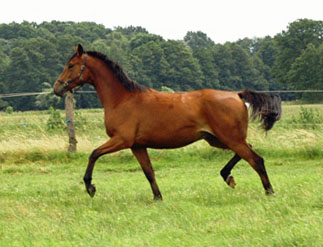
(33, 55)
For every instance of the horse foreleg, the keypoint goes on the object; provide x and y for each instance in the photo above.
(113, 145)
(225, 172)
(143, 159)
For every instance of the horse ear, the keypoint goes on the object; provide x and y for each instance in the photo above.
(79, 50)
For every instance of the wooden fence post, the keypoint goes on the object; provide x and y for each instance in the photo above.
(69, 109)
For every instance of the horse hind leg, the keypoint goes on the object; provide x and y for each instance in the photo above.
(257, 163)
(245, 151)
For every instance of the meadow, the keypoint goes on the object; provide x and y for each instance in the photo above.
(43, 200)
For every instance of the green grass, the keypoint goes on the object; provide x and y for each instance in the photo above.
(43, 200)
(46, 205)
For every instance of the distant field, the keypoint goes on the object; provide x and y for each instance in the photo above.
(43, 201)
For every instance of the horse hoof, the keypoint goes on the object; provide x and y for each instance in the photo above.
(91, 190)
(230, 182)
(158, 198)
(270, 192)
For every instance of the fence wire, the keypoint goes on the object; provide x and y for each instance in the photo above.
(26, 122)
(12, 95)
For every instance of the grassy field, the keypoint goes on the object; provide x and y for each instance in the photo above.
(43, 200)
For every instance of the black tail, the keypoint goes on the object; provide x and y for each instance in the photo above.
(265, 107)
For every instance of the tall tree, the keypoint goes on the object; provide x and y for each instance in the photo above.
(307, 72)
(198, 40)
(185, 72)
(293, 42)
(37, 61)
(3, 86)
(203, 49)
(4, 63)
(153, 64)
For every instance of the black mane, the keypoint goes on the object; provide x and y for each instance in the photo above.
(119, 73)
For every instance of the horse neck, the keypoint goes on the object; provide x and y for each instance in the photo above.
(110, 91)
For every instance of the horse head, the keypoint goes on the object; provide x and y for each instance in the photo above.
(74, 73)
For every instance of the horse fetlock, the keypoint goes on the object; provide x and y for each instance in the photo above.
(270, 191)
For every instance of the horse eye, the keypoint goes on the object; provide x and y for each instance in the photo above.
(70, 66)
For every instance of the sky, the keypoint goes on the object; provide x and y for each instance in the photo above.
(221, 20)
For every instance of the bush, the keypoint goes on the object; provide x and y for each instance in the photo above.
(167, 89)
(308, 118)
(9, 110)
(80, 120)
(55, 120)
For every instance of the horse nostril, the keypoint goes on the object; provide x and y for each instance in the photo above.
(58, 88)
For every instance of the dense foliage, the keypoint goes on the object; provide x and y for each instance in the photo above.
(33, 55)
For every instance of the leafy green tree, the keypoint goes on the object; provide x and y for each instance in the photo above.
(267, 51)
(89, 31)
(185, 72)
(138, 72)
(223, 63)
(64, 45)
(210, 77)
(4, 63)
(307, 72)
(117, 46)
(3, 103)
(14, 30)
(203, 50)
(131, 30)
(238, 68)
(292, 43)
(143, 38)
(263, 52)
(259, 74)
(5, 46)
(153, 63)
(198, 40)
(251, 45)
(36, 62)
(100, 45)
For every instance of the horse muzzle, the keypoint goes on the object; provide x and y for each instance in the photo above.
(59, 88)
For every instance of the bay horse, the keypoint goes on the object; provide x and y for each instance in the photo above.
(138, 117)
